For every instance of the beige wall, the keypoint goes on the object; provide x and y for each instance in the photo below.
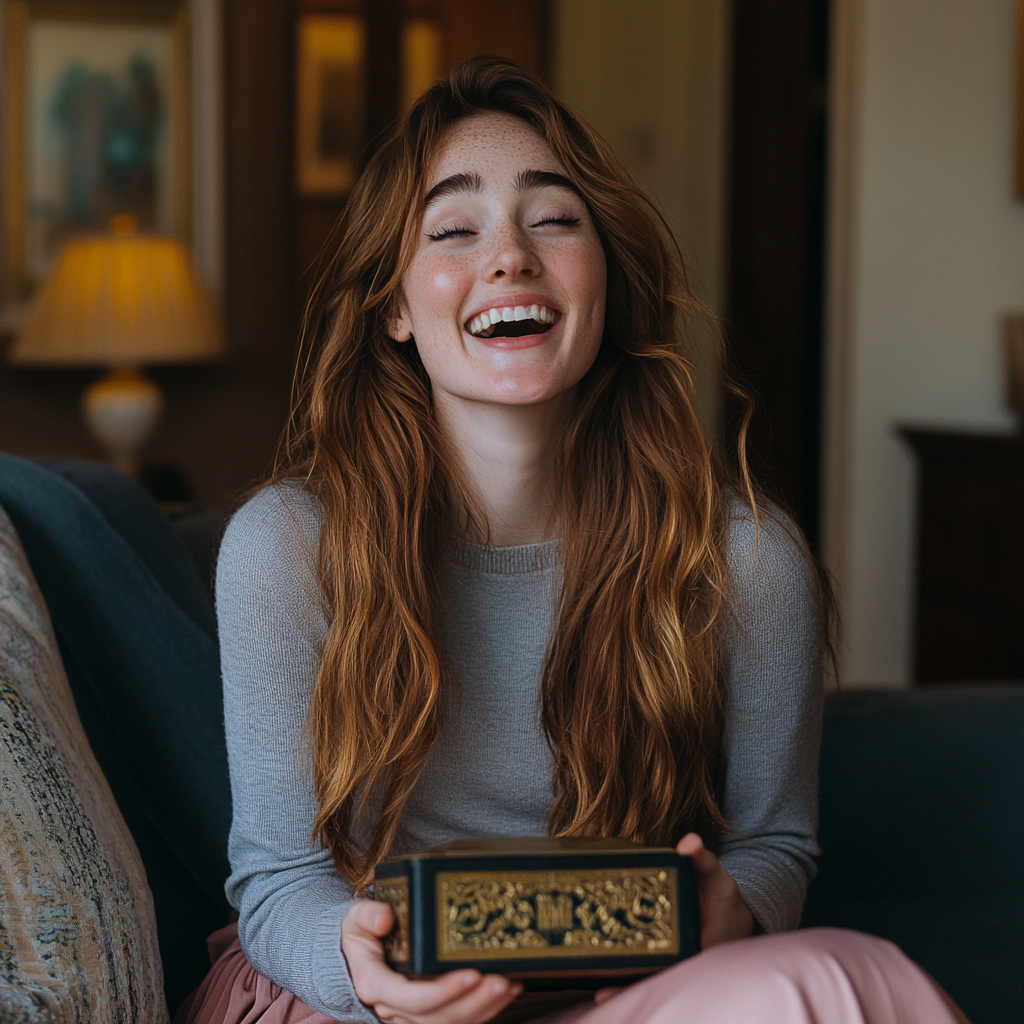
(927, 252)
(652, 77)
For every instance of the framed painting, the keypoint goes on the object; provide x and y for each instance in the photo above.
(330, 93)
(330, 97)
(96, 123)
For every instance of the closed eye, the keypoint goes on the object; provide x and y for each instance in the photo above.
(453, 232)
(569, 222)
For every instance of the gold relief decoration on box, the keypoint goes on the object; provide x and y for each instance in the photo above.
(582, 913)
(395, 893)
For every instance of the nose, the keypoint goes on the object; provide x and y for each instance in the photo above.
(511, 257)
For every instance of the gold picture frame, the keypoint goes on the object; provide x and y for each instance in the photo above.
(330, 130)
(330, 105)
(97, 120)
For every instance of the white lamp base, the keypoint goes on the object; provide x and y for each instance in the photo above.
(122, 410)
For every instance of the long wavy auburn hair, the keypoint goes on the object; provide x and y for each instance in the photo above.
(631, 698)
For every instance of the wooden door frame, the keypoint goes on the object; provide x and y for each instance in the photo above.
(775, 282)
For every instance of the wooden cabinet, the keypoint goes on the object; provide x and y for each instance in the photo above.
(970, 558)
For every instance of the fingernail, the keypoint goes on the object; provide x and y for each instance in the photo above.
(499, 986)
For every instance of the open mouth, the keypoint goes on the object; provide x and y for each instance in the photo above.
(512, 321)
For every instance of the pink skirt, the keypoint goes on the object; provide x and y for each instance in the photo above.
(814, 976)
(235, 991)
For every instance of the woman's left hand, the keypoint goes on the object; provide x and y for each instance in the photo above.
(723, 914)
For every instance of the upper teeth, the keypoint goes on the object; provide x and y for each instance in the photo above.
(484, 321)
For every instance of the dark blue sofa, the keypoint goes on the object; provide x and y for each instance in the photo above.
(922, 792)
(922, 834)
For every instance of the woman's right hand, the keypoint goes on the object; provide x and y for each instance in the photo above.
(461, 997)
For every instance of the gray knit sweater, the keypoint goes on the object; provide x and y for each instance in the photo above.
(490, 774)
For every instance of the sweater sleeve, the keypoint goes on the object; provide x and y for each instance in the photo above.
(290, 899)
(773, 666)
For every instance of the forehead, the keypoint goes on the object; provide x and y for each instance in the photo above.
(495, 146)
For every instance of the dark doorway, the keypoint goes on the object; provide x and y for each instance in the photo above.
(776, 240)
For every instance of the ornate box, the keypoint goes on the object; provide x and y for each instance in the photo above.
(553, 913)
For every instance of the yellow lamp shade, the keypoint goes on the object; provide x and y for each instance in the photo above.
(121, 301)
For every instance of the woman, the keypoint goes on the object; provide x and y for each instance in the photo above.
(503, 586)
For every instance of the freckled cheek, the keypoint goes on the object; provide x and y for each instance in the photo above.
(584, 274)
(441, 290)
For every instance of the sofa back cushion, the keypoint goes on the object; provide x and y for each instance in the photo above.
(922, 828)
(78, 938)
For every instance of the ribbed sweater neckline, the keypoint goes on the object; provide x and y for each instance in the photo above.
(506, 561)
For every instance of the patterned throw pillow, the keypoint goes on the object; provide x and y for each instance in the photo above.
(77, 932)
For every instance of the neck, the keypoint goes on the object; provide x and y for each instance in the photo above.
(507, 455)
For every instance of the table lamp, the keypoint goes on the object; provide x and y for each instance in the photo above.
(121, 300)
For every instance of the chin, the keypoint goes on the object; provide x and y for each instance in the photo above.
(526, 394)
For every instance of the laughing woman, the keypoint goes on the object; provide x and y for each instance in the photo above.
(501, 585)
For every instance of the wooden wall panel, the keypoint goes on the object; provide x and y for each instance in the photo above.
(776, 237)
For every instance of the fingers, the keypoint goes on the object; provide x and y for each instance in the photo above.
(493, 995)
(361, 931)
(704, 861)
(724, 915)
(603, 994)
(407, 998)
(429, 1002)
(370, 917)
(460, 997)
(690, 844)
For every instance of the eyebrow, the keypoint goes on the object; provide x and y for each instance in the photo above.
(474, 184)
(454, 184)
(544, 179)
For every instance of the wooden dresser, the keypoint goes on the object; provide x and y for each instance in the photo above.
(970, 558)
